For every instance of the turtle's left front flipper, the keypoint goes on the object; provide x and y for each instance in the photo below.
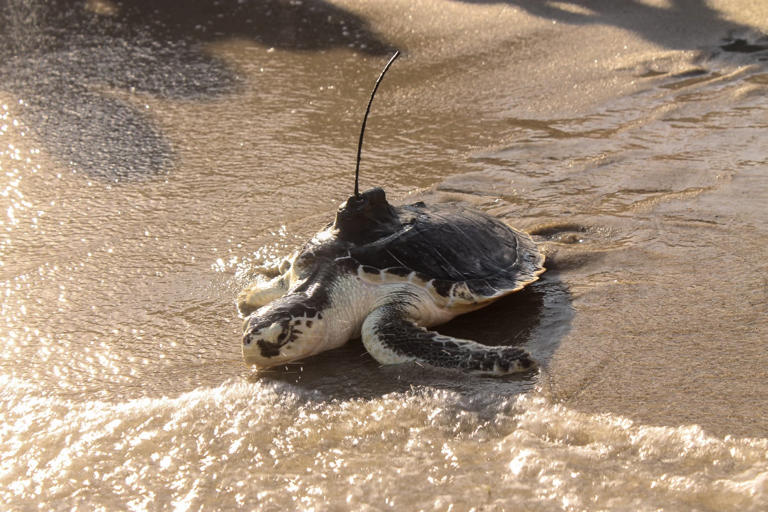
(392, 337)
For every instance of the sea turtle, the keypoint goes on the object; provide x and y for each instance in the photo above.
(386, 273)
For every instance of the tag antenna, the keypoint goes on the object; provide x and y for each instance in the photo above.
(365, 118)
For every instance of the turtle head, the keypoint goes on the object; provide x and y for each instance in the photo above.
(366, 217)
(286, 330)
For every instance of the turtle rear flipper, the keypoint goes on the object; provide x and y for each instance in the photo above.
(391, 337)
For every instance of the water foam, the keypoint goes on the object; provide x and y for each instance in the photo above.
(262, 445)
(589, 461)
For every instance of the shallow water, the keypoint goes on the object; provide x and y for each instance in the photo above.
(149, 166)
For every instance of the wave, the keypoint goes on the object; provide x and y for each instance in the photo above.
(261, 445)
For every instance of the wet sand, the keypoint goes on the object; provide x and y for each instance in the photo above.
(150, 165)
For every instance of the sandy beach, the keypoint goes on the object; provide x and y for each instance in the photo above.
(153, 159)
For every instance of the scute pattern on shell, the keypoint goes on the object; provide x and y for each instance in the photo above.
(461, 256)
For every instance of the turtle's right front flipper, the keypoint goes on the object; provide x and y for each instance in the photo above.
(260, 293)
(391, 337)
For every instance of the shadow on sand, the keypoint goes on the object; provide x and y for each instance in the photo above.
(668, 24)
(61, 58)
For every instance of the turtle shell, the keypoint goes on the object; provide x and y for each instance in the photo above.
(461, 255)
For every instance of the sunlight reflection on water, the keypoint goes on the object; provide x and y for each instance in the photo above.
(121, 380)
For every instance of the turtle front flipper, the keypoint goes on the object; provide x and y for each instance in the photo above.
(392, 337)
(260, 293)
